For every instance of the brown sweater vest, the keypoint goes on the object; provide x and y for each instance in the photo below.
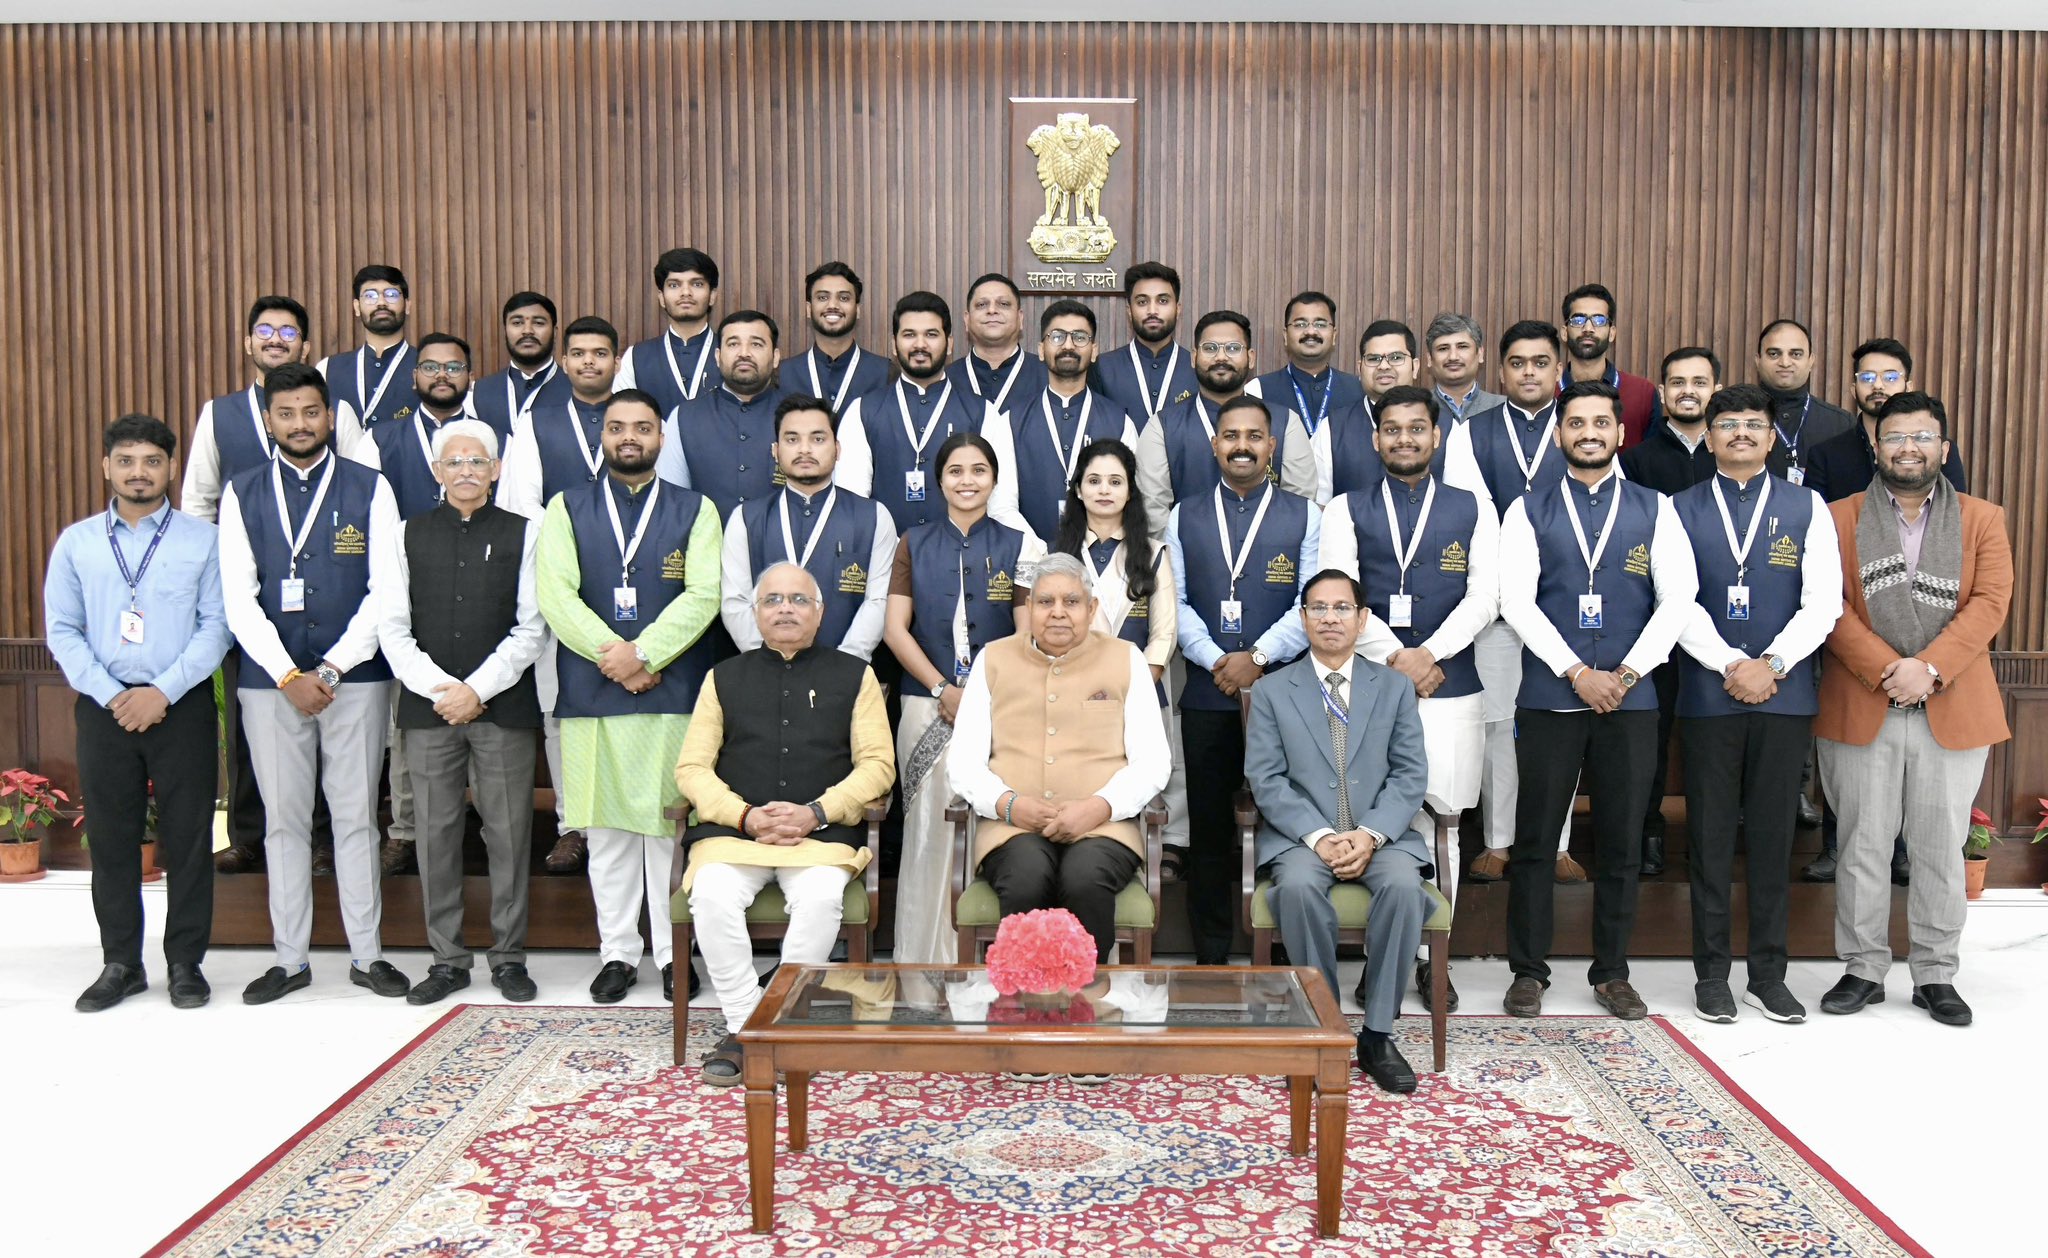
(1059, 726)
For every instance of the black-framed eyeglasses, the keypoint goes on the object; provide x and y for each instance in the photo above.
(386, 294)
(1583, 320)
(279, 331)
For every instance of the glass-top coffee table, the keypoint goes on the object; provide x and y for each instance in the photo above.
(1133, 1020)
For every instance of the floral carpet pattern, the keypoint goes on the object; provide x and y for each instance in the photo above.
(567, 1132)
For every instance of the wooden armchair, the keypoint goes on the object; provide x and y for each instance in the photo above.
(1352, 902)
(768, 915)
(976, 913)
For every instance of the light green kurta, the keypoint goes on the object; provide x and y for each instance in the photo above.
(619, 772)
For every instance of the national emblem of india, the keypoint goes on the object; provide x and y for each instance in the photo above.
(1073, 165)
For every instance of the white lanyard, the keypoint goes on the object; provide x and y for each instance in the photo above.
(593, 459)
(818, 385)
(284, 518)
(1405, 557)
(974, 379)
(370, 406)
(1208, 425)
(1071, 458)
(1529, 466)
(419, 427)
(1592, 556)
(628, 548)
(1251, 535)
(918, 443)
(514, 408)
(668, 346)
(817, 530)
(256, 417)
(1152, 407)
(1741, 552)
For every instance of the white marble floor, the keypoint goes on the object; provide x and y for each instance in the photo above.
(118, 1126)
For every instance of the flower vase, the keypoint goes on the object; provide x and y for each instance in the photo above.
(21, 862)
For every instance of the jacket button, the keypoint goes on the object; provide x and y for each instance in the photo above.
(1050, 730)
(1048, 794)
(458, 598)
(743, 467)
(785, 720)
(1333, 786)
(785, 751)
(743, 436)
(1052, 698)
(462, 563)
(1049, 759)
(458, 633)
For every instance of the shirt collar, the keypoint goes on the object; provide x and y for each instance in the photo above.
(1298, 374)
(1247, 499)
(1612, 478)
(839, 361)
(147, 524)
(1156, 358)
(1516, 410)
(1096, 539)
(1729, 482)
(307, 473)
(1692, 443)
(1344, 670)
(1900, 512)
(1612, 375)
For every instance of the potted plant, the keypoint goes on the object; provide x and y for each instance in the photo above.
(28, 804)
(1977, 853)
(150, 870)
(2041, 830)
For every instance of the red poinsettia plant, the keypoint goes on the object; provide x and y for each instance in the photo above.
(1045, 950)
(1977, 843)
(2041, 831)
(27, 803)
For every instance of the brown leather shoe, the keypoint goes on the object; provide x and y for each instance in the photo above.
(398, 857)
(1569, 870)
(567, 855)
(1524, 998)
(1490, 865)
(1619, 999)
(238, 858)
(323, 861)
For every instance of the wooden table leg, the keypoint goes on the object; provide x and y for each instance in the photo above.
(759, 1069)
(799, 1084)
(1332, 1116)
(1299, 1088)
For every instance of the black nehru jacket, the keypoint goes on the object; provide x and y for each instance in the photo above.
(465, 601)
(1662, 462)
(788, 730)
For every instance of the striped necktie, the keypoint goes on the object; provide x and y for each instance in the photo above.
(1338, 734)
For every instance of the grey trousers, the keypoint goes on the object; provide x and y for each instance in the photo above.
(1393, 930)
(346, 741)
(498, 764)
(1903, 780)
(403, 812)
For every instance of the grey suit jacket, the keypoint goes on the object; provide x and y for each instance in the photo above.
(1292, 768)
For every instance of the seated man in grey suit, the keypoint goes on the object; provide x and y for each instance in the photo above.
(1334, 758)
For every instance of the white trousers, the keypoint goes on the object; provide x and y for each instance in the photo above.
(719, 898)
(627, 873)
(1497, 653)
(547, 686)
(1176, 832)
(1454, 736)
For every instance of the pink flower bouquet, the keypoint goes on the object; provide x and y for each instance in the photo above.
(1045, 950)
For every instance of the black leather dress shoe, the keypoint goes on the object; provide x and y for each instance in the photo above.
(382, 978)
(323, 861)
(1653, 856)
(189, 989)
(275, 982)
(1902, 865)
(115, 984)
(513, 982)
(1422, 987)
(668, 982)
(609, 987)
(1942, 1004)
(1524, 997)
(1809, 812)
(238, 858)
(440, 980)
(1850, 994)
(1383, 1064)
(1821, 868)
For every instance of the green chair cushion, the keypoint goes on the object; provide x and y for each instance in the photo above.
(769, 907)
(1352, 902)
(977, 906)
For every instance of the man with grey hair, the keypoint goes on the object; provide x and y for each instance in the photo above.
(459, 622)
(787, 745)
(1457, 354)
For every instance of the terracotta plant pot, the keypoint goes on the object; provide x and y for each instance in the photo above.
(21, 862)
(1974, 869)
(150, 872)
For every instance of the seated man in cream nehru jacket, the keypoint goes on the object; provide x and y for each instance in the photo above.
(788, 743)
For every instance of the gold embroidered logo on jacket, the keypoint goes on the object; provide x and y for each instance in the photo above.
(1638, 564)
(673, 566)
(853, 579)
(1000, 588)
(1784, 553)
(349, 540)
(1280, 570)
(1454, 559)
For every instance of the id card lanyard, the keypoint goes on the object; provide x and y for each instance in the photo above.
(914, 478)
(1154, 406)
(1589, 602)
(593, 459)
(625, 596)
(1233, 611)
(514, 408)
(1529, 466)
(1009, 381)
(293, 590)
(1322, 413)
(1738, 593)
(1069, 459)
(675, 369)
(419, 428)
(789, 550)
(131, 620)
(846, 383)
(362, 363)
(1795, 473)
(263, 437)
(1401, 606)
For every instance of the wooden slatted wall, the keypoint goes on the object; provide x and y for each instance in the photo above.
(155, 178)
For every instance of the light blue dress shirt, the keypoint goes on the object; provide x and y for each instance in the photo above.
(1283, 639)
(184, 626)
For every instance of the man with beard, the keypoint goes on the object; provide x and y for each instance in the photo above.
(229, 435)
(833, 368)
(724, 438)
(298, 540)
(1589, 325)
(1152, 372)
(373, 384)
(501, 398)
(1346, 457)
(1880, 369)
(1240, 553)
(1041, 443)
(1597, 579)
(1457, 354)
(1176, 453)
(888, 438)
(1784, 367)
(628, 580)
(1909, 707)
(681, 363)
(1307, 381)
(995, 368)
(845, 541)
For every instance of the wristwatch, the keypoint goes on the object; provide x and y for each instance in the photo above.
(1628, 677)
(939, 690)
(640, 653)
(1933, 672)
(818, 811)
(1260, 657)
(1776, 663)
(328, 673)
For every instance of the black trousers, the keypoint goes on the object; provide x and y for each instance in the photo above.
(1742, 769)
(1030, 871)
(1616, 754)
(115, 771)
(1214, 743)
(1665, 678)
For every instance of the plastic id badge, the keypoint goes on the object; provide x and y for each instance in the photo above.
(1233, 616)
(625, 603)
(913, 485)
(1589, 611)
(1738, 602)
(1400, 611)
(292, 594)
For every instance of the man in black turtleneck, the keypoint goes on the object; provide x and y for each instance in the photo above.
(1784, 367)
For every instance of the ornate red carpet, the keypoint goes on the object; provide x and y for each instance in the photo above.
(565, 1132)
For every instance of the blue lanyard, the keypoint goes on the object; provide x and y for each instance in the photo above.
(1330, 704)
(134, 579)
(1294, 381)
(1791, 439)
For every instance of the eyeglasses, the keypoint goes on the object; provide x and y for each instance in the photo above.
(1742, 425)
(385, 294)
(1227, 348)
(1060, 336)
(1331, 611)
(282, 332)
(1872, 377)
(1580, 321)
(1394, 359)
(1310, 325)
(793, 600)
(430, 370)
(468, 463)
(1897, 440)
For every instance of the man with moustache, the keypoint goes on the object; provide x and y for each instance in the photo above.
(300, 580)
(1153, 371)
(628, 580)
(1176, 453)
(459, 620)
(1589, 322)
(833, 368)
(682, 362)
(1307, 381)
(499, 399)
(1597, 579)
(845, 541)
(1784, 367)
(995, 368)
(229, 435)
(1770, 589)
(1040, 444)
(1880, 369)
(889, 437)
(1457, 355)
(373, 384)
(1427, 554)
(1240, 553)
(723, 440)
(1346, 458)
